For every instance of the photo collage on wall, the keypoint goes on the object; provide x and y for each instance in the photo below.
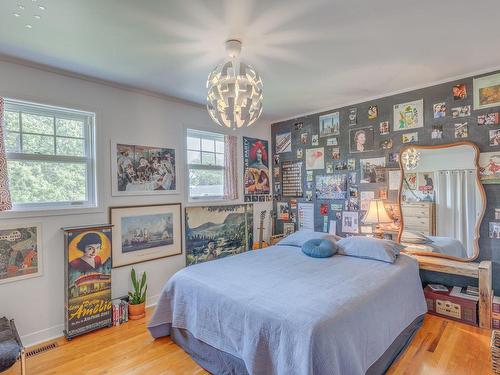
(350, 155)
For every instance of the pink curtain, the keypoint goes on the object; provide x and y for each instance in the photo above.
(230, 167)
(5, 202)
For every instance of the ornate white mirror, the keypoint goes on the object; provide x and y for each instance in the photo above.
(442, 200)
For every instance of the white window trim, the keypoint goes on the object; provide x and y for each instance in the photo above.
(91, 205)
(206, 198)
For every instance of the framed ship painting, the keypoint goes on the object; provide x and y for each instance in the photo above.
(214, 232)
(142, 170)
(144, 233)
(20, 252)
(87, 276)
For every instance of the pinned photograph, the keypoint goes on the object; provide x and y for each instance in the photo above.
(495, 137)
(298, 125)
(315, 158)
(409, 137)
(341, 165)
(336, 206)
(459, 91)
(382, 194)
(372, 170)
(366, 197)
(303, 138)
(372, 112)
(332, 142)
(409, 115)
(393, 157)
(386, 144)
(463, 111)
(488, 119)
(283, 211)
(439, 110)
(352, 178)
(331, 186)
(335, 153)
(352, 204)
(309, 196)
(437, 132)
(353, 191)
(489, 167)
(276, 160)
(487, 91)
(462, 131)
(323, 209)
(315, 140)
(300, 153)
(329, 124)
(353, 116)
(351, 164)
(361, 140)
(350, 222)
(283, 143)
(309, 176)
(329, 167)
(384, 128)
(497, 213)
(276, 172)
(494, 230)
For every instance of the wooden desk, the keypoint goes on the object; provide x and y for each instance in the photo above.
(481, 271)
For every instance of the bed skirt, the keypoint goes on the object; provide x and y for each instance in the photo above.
(219, 362)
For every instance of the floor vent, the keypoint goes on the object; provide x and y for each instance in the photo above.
(41, 349)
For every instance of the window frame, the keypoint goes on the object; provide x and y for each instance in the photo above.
(199, 133)
(89, 139)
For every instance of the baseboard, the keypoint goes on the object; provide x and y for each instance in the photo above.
(55, 332)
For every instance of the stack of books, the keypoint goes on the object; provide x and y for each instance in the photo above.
(496, 313)
(120, 310)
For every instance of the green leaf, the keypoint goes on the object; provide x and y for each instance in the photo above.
(143, 281)
(143, 298)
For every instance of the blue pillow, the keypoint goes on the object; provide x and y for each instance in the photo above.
(318, 248)
(370, 248)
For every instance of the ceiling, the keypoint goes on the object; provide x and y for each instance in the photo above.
(312, 54)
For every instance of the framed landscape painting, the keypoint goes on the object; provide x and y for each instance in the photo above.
(214, 232)
(144, 233)
(487, 91)
(142, 170)
(20, 252)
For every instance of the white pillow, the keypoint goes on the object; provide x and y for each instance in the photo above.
(415, 237)
(302, 236)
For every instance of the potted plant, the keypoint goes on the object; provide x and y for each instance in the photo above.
(137, 298)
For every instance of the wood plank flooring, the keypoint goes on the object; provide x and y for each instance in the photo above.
(440, 347)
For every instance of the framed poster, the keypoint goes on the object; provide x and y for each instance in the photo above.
(329, 124)
(214, 232)
(487, 91)
(20, 252)
(144, 233)
(489, 167)
(292, 179)
(283, 143)
(409, 115)
(361, 140)
(142, 170)
(87, 276)
(256, 166)
(350, 222)
(372, 170)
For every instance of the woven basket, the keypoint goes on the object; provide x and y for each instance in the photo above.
(495, 351)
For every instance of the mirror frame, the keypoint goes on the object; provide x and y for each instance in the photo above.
(481, 191)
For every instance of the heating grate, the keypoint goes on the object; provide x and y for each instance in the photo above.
(41, 349)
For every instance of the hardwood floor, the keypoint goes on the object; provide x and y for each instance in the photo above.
(440, 347)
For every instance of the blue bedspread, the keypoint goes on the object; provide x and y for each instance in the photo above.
(282, 312)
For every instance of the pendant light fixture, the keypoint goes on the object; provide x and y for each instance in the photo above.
(234, 97)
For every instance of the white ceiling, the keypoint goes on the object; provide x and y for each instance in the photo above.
(311, 54)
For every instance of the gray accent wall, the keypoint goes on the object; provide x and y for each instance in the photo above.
(489, 248)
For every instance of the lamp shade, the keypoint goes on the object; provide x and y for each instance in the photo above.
(377, 213)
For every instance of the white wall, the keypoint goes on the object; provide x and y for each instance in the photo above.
(37, 304)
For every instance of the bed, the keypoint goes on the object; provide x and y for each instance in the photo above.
(278, 311)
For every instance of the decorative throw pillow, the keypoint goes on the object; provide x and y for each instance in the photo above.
(415, 237)
(300, 237)
(318, 248)
(370, 248)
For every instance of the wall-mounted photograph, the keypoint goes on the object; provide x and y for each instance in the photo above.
(372, 170)
(409, 115)
(20, 252)
(361, 140)
(144, 233)
(487, 91)
(315, 158)
(489, 167)
(329, 124)
(142, 170)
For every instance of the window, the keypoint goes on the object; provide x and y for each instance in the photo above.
(50, 156)
(205, 156)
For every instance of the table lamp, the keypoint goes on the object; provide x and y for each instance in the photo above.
(377, 215)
